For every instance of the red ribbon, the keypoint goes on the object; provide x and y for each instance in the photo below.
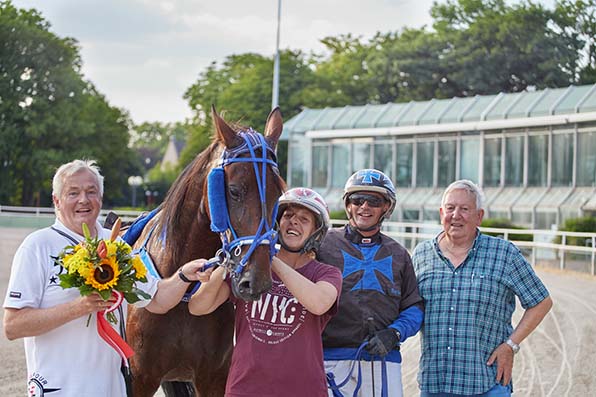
(109, 334)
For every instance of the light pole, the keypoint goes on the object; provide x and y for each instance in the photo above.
(133, 182)
(275, 94)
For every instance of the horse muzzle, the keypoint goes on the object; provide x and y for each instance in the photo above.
(251, 283)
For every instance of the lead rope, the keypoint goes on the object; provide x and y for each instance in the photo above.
(335, 387)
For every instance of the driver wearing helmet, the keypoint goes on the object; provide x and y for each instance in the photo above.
(380, 301)
(278, 348)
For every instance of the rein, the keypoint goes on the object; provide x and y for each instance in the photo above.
(335, 387)
(220, 218)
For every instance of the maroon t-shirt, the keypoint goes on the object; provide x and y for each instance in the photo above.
(278, 349)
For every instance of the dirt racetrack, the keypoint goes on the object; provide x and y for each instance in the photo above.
(556, 360)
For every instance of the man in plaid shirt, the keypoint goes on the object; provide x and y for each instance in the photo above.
(469, 282)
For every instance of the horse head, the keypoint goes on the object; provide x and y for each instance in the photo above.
(242, 192)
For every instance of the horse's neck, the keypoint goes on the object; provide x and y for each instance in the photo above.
(171, 246)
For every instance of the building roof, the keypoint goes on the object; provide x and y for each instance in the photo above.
(172, 153)
(544, 107)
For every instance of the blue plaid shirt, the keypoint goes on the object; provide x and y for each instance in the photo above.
(468, 311)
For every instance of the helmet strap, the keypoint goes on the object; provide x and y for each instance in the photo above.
(309, 245)
(353, 235)
(292, 250)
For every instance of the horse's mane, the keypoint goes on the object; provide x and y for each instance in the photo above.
(181, 205)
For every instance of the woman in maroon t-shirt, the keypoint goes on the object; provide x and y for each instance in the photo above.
(278, 347)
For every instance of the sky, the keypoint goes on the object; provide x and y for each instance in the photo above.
(144, 54)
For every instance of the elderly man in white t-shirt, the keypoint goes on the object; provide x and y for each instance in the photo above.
(65, 355)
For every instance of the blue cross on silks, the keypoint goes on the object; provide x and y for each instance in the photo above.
(369, 265)
(368, 175)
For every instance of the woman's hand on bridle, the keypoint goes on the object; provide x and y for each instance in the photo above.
(193, 270)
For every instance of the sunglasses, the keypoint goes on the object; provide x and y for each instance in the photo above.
(358, 199)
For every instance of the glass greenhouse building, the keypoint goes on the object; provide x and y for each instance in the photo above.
(533, 153)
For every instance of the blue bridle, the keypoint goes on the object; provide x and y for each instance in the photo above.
(220, 218)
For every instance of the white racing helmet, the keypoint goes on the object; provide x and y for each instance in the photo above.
(314, 202)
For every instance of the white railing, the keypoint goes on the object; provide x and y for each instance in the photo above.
(48, 212)
(542, 248)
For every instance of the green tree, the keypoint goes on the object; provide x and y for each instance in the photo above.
(49, 115)
(240, 88)
(576, 19)
(343, 78)
(489, 46)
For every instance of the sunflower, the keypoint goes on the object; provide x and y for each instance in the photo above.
(139, 266)
(105, 275)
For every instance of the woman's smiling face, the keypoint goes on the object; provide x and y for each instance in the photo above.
(296, 226)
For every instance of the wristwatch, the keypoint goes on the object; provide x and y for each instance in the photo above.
(514, 346)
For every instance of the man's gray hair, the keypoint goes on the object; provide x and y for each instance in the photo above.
(468, 186)
(69, 169)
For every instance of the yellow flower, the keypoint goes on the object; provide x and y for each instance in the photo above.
(75, 261)
(125, 248)
(101, 266)
(86, 270)
(67, 260)
(139, 266)
(112, 247)
(105, 275)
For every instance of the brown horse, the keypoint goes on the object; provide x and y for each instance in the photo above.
(178, 346)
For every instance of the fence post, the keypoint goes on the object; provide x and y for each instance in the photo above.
(593, 252)
(562, 251)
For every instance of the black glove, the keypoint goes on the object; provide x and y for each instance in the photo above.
(383, 342)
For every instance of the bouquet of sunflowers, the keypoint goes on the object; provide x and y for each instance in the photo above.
(103, 266)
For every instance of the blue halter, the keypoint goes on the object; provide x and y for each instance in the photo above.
(220, 218)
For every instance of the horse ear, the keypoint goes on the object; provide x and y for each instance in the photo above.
(274, 127)
(224, 132)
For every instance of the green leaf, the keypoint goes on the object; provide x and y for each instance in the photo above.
(86, 232)
(131, 297)
(105, 294)
(141, 293)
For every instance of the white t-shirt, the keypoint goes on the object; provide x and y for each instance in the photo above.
(71, 360)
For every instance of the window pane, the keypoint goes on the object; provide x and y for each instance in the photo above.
(468, 168)
(514, 161)
(298, 156)
(545, 220)
(383, 159)
(586, 159)
(361, 157)
(446, 163)
(537, 160)
(404, 164)
(341, 164)
(492, 162)
(562, 164)
(424, 164)
(319, 167)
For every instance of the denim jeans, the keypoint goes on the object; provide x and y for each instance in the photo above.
(497, 391)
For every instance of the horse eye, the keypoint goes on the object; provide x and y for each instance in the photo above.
(235, 193)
